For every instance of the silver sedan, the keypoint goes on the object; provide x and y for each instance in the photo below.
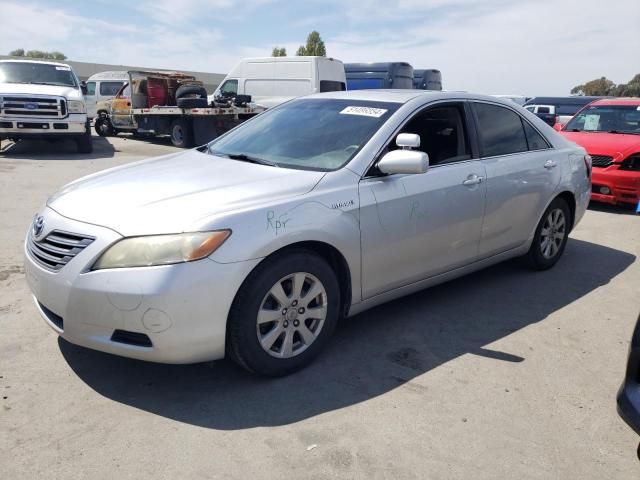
(255, 245)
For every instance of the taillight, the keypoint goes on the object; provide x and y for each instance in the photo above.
(632, 163)
(587, 164)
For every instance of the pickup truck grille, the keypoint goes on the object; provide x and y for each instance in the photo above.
(601, 161)
(18, 106)
(57, 249)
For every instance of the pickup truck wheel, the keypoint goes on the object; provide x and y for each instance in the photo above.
(284, 314)
(103, 126)
(551, 236)
(182, 133)
(85, 143)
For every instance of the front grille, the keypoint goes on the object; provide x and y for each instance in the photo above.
(131, 338)
(32, 107)
(58, 248)
(601, 161)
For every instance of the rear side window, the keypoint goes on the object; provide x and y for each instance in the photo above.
(91, 88)
(500, 130)
(544, 110)
(109, 89)
(534, 139)
(332, 86)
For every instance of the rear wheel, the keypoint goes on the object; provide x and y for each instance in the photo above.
(182, 133)
(284, 314)
(551, 236)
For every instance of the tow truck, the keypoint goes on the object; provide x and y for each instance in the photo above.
(174, 104)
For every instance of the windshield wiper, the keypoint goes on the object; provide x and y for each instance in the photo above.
(246, 158)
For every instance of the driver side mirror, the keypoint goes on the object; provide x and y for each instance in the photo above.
(83, 87)
(405, 160)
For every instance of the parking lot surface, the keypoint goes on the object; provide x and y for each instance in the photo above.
(505, 373)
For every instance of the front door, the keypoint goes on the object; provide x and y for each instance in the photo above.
(417, 226)
(121, 116)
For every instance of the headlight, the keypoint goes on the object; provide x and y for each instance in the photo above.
(76, 106)
(161, 249)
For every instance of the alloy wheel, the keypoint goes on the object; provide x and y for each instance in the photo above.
(291, 315)
(553, 233)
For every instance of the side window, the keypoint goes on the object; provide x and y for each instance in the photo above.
(109, 89)
(125, 92)
(91, 89)
(531, 108)
(230, 86)
(500, 129)
(443, 134)
(544, 110)
(534, 139)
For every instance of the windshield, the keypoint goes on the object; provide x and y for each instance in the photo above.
(36, 73)
(607, 118)
(313, 134)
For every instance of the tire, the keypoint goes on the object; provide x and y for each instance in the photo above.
(189, 102)
(182, 133)
(551, 236)
(103, 127)
(284, 319)
(85, 143)
(191, 91)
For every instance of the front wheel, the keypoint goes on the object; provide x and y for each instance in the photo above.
(551, 236)
(284, 314)
(103, 126)
(85, 143)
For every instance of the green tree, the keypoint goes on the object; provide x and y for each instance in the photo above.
(599, 87)
(314, 47)
(39, 54)
(17, 53)
(279, 52)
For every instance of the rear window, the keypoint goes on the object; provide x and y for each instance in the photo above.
(110, 89)
(364, 83)
(332, 86)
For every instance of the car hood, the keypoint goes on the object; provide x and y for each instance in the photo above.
(176, 193)
(616, 145)
(30, 89)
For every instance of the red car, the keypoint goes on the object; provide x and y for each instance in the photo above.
(609, 129)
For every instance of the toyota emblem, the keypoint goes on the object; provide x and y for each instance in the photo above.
(38, 226)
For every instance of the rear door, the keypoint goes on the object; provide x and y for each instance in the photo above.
(522, 175)
(417, 226)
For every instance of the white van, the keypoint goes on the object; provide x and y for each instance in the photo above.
(103, 86)
(273, 80)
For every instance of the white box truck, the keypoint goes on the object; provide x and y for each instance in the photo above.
(273, 80)
(40, 99)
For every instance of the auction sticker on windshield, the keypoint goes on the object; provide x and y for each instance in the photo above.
(364, 111)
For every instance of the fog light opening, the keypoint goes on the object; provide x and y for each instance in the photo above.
(605, 190)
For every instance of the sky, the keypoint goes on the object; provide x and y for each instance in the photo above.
(518, 47)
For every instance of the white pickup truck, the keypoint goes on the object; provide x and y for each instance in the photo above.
(41, 99)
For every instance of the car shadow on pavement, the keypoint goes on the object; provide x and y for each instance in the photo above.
(370, 354)
(63, 149)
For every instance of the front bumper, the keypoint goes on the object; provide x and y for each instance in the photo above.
(29, 127)
(181, 308)
(624, 185)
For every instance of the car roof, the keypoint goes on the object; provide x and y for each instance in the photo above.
(45, 62)
(404, 96)
(617, 101)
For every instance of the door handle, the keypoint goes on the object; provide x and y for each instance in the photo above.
(473, 180)
(549, 164)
